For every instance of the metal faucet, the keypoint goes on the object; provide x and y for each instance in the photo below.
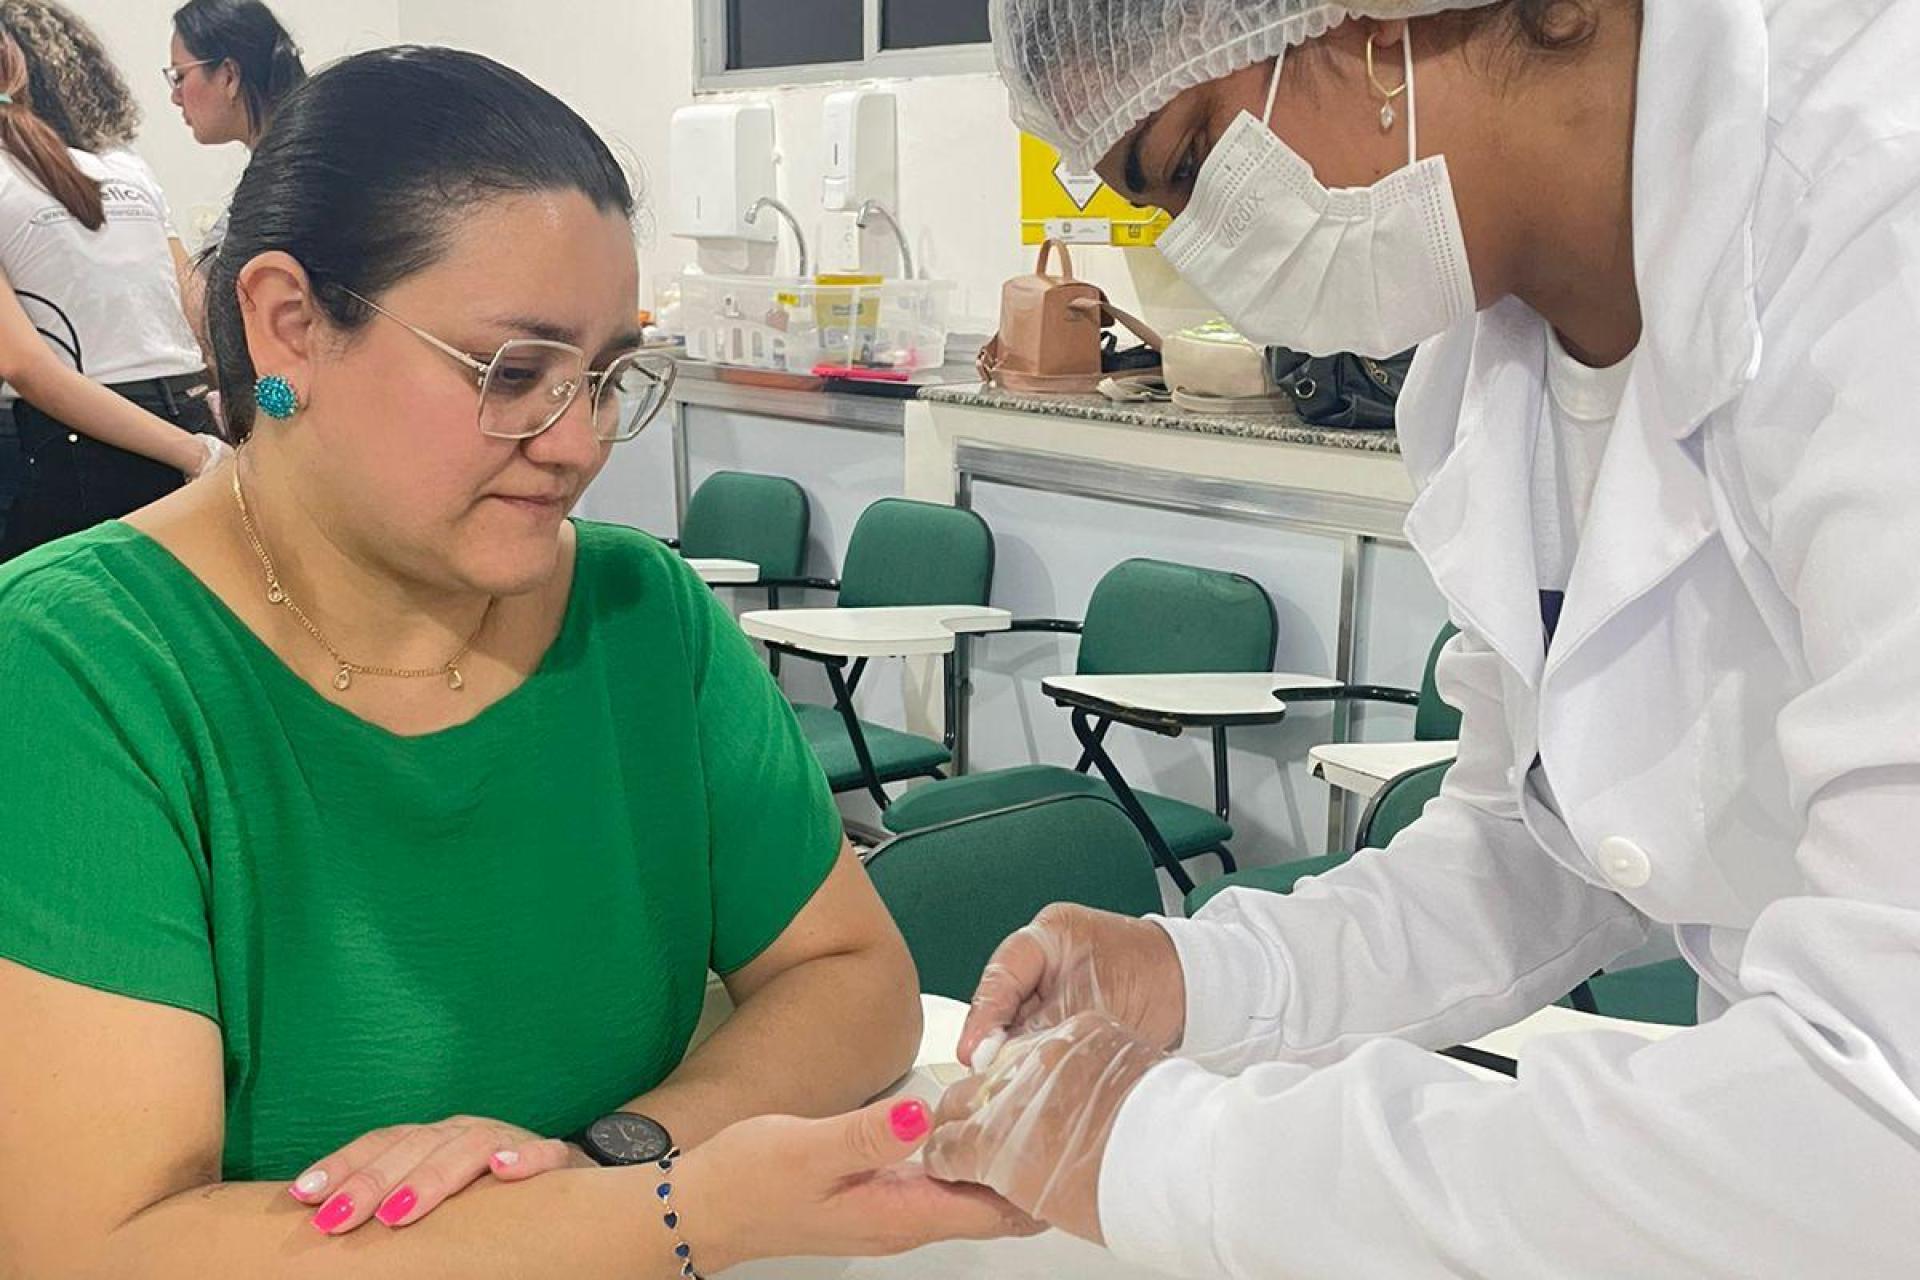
(793, 224)
(872, 209)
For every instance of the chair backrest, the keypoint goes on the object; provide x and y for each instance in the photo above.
(957, 891)
(915, 553)
(1400, 805)
(1434, 720)
(763, 520)
(1150, 617)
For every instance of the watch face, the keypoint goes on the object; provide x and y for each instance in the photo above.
(626, 1138)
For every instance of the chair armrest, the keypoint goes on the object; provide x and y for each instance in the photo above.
(802, 584)
(1058, 626)
(1380, 693)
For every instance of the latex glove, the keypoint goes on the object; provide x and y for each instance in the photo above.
(1074, 960)
(401, 1174)
(780, 1187)
(214, 452)
(1035, 1126)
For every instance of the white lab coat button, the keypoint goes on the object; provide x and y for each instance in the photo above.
(72, 439)
(1625, 863)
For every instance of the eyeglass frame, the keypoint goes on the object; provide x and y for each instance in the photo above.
(482, 371)
(176, 73)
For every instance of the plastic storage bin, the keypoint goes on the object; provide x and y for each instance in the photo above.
(887, 329)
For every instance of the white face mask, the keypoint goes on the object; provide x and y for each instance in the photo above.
(1371, 270)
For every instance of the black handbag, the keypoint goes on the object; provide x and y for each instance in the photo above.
(1344, 391)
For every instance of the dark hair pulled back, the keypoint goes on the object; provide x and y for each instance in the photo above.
(369, 166)
(246, 33)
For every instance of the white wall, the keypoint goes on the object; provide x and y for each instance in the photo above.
(627, 64)
(198, 180)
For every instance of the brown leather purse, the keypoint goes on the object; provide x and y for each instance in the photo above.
(1051, 332)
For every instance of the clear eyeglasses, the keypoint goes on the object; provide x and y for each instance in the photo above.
(178, 71)
(531, 383)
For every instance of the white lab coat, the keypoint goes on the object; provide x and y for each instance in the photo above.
(1730, 720)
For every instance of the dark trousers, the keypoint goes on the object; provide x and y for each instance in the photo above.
(71, 482)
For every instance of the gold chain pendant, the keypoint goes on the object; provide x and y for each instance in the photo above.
(455, 681)
(343, 681)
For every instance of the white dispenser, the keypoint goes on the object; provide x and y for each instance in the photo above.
(720, 161)
(862, 149)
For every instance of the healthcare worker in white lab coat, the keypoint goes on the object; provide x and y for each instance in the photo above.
(1665, 429)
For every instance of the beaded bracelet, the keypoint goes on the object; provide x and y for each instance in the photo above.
(682, 1251)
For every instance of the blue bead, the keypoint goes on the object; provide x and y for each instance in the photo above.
(683, 1252)
(673, 1221)
(664, 1190)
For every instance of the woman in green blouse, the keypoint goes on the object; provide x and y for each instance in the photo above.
(357, 788)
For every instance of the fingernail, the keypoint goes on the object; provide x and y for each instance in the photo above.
(311, 1183)
(397, 1206)
(988, 1050)
(335, 1212)
(505, 1159)
(909, 1121)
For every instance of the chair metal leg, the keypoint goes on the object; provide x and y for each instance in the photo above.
(1222, 785)
(1581, 997)
(1099, 736)
(1227, 865)
(1162, 855)
(773, 655)
(843, 701)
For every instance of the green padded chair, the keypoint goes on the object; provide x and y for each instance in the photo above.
(1433, 719)
(901, 553)
(1667, 993)
(1396, 808)
(1146, 617)
(958, 890)
(763, 520)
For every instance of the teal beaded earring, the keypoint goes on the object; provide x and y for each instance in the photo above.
(276, 397)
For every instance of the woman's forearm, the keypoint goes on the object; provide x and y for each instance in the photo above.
(823, 1038)
(584, 1224)
(92, 410)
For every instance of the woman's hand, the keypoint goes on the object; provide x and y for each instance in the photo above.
(203, 454)
(400, 1175)
(777, 1187)
(1073, 960)
(1035, 1127)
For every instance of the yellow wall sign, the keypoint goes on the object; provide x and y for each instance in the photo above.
(1057, 203)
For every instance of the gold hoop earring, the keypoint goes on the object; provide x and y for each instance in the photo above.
(1387, 114)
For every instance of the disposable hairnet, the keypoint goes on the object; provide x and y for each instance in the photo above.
(1083, 73)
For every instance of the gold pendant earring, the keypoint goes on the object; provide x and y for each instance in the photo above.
(1388, 116)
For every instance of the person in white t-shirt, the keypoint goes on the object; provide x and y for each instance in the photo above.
(111, 409)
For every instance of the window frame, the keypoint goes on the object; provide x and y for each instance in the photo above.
(710, 73)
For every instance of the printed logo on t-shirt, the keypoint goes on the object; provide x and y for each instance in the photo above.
(122, 201)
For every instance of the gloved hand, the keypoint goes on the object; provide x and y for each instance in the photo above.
(214, 451)
(1074, 960)
(1034, 1127)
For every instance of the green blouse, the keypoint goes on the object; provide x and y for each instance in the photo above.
(512, 918)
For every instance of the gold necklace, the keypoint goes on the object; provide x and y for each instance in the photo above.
(343, 678)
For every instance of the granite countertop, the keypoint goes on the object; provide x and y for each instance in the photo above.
(1280, 428)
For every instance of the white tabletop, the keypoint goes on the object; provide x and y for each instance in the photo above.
(1057, 1256)
(874, 633)
(726, 573)
(1365, 768)
(1198, 697)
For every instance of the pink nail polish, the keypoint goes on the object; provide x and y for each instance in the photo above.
(397, 1206)
(909, 1121)
(332, 1214)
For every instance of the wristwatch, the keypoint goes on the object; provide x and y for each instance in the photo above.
(624, 1138)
